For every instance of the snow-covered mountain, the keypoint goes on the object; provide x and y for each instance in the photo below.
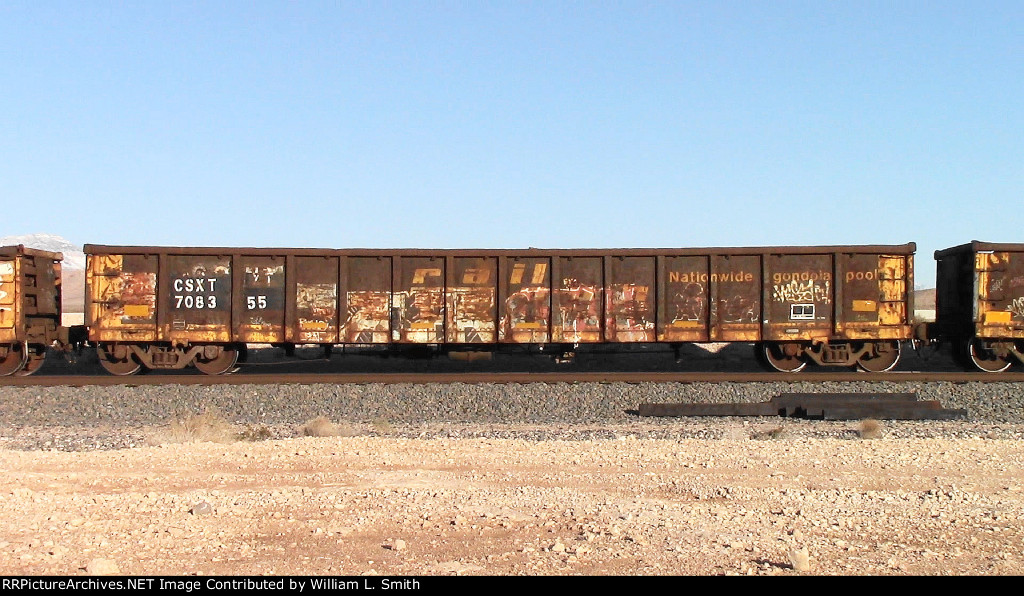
(74, 258)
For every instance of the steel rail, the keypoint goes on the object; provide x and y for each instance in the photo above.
(246, 378)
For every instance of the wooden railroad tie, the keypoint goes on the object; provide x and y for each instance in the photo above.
(819, 406)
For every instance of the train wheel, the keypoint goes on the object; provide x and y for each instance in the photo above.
(776, 357)
(985, 358)
(224, 361)
(887, 355)
(12, 359)
(36, 356)
(117, 365)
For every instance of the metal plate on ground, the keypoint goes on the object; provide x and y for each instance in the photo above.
(819, 406)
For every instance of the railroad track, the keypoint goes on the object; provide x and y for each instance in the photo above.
(244, 377)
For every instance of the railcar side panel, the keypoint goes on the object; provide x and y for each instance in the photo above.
(367, 300)
(683, 284)
(472, 300)
(121, 304)
(799, 291)
(980, 291)
(418, 301)
(736, 297)
(221, 296)
(874, 296)
(999, 308)
(312, 314)
(526, 304)
(999, 282)
(196, 298)
(577, 305)
(631, 298)
(10, 309)
(30, 307)
(259, 303)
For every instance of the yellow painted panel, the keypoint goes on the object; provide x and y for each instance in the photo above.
(307, 325)
(8, 290)
(529, 325)
(865, 305)
(687, 324)
(997, 316)
(7, 318)
(136, 310)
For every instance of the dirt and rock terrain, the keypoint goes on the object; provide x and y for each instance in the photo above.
(741, 497)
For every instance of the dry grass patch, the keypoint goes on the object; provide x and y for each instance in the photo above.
(776, 432)
(382, 426)
(869, 429)
(199, 428)
(257, 432)
(321, 426)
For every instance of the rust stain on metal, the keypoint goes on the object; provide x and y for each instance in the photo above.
(316, 308)
(122, 298)
(367, 317)
(472, 301)
(418, 304)
(261, 305)
(8, 302)
(525, 316)
(197, 299)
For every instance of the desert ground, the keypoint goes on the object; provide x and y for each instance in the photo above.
(756, 497)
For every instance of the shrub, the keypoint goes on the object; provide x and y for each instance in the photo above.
(870, 429)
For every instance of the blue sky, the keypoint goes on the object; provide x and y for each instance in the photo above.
(513, 124)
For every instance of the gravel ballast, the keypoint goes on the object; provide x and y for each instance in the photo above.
(76, 418)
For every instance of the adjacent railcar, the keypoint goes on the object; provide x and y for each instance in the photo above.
(979, 304)
(158, 307)
(30, 307)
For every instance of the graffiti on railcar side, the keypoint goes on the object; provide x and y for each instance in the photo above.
(629, 312)
(121, 298)
(738, 309)
(526, 313)
(811, 290)
(316, 307)
(472, 313)
(528, 305)
(1017, 307)
(689, 303)
(417, 315)
(367, 317)
(579, 310)
(137, 289)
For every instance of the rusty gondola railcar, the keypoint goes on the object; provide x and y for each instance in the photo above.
(30, 307)
(979, 304)
(160, 307)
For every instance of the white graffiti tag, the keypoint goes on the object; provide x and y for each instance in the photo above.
(808, 291)
(1017, 307)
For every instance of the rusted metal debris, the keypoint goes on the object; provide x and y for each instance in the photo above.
(820, 406)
